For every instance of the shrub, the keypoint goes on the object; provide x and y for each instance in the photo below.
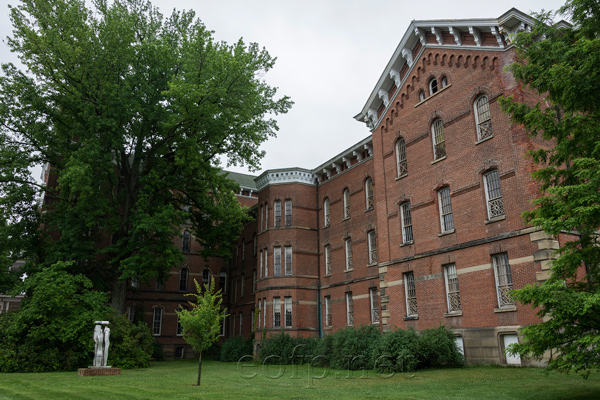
(284, 349)
(352, 348)
(131, 345)
(235, 348)
(397, 351)
(437, 348)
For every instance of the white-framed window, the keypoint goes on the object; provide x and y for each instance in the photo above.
(276, 312)
(288, 212)
(183, 279)
(439, 142)
(260, 263)
(243, 285)
(410, 292)
(259, 313)
(406, 222)
(157, 321)
(370, 202)
(328, 260)
(433, 86)
(266, 216)
(421, 95)
(446, 218)
(493, 194)
(452, 291)
(205, 277)
(241, 322)
(444, 81)
(374, 301)
(131, 313)
(349, 309)
(483, 117)
(288, 260)
(185, 241)
(277, 261)
(223, 281)
(348, 249)
(372, 247)
(277, 213)
(287, 302)
(223, 324)
(328, 317)
(262, 219)
(266, 254)
(401, 163)
(264, 312)
(326, 215)
(346, 203)
(179, 331)
(504, 283)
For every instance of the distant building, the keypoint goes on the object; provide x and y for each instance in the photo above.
(417, 225)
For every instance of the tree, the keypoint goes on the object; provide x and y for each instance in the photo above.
(202, 324)
(562, 65)
(132, 112)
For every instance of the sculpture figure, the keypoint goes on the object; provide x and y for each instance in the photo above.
(106, 343)
(99, 347)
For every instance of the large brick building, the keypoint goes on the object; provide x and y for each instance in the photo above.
(417, 225)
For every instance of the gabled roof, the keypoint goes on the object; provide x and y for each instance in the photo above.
(503, 28)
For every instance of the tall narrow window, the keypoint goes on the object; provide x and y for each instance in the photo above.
(260, 263)
(243, 285)
(401, 163)
(369, 193)
(264, 312)
(406, 220)
(254, 245)
(372, 247)
(262, 219)
(179, 327)
(259, 313)
(288, 212)
(243, 249)
(348, 248)
(131, 313)
(241, 322)
(328, 260)
(266, 216)
(223, 281)
(288, 311)
(266, 254)
(439, 143)
(444, 82)
(205, 277)
(504, 283)
(157, 321)
(433, 86)
(254, 281)
(288, 260)
(277, 261)
(483, 118)
(349, 309)
(493, 194)
(277, 212)
(276, 312)
(183, 279)
(374, 300)
(185, 242)
(452, 292)
(223, 325)
(235, 287)
(446, 219)
(327, 218)
(410, 293)
(328, 318)
(421, 95)
(346, 203)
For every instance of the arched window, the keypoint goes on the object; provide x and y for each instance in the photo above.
(446, 218)
(346, 203)
(370, 203)
(326, 211)
(205, 277)
(444, 82)
(372, 247)
(401, 164)
(493, 194)
(483, 118)
(185, 242)
(439, 143)
(433, 86)
(421, 95)
(183, 279)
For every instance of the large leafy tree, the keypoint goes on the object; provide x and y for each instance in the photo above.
(562, 64)
(132, 113)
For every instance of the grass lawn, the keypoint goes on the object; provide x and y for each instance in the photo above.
(175, 380)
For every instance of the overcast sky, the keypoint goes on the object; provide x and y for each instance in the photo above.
(330, 54)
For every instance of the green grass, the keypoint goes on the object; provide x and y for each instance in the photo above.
(176, 379)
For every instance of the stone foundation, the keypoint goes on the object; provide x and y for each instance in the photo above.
(91, 371)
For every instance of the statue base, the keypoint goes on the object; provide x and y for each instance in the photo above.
(98, 371)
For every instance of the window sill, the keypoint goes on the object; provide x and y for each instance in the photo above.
(435, 94)
(327, 276)
(407, 243)
(411, 317)
(505, 309)
(372, 264)
(453, 314)
(369, 209)
(349, 270)
(438, 160)
(446, 233)
(495, 219)
(345, 218)
(326, 226)
(484, 140)
(401, 176)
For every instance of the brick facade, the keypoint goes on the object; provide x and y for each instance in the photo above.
(441, 151)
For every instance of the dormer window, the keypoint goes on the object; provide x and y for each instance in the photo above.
(433, 86)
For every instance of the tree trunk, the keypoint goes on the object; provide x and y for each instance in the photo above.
(199, 368)
(118, 295)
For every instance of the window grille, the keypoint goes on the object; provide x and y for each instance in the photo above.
(346, 203)
(277, 259)
(446, 218)
(407, 232)
(288, 213)
(276, 312)
(349, 309)
(483, 118)
(288, 311)
(348, 243)
(327, 260)
(369, 193)
(452, 292)
(493, 194)
(411, 294)
(401, 162)
(328, 317)
(277, 207)
(288, 260)
(372, 248)
(439, 143)
(374, 305)
(326, 212)
(504, 284)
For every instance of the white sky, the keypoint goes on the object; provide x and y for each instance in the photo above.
(330, 54)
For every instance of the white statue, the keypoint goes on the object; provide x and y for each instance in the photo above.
(102, 341)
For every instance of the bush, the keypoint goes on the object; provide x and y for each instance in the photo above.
(235, 348)
(352, 348)
(131, 345)
(284, 349)
(437, 348)
(397, 351)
